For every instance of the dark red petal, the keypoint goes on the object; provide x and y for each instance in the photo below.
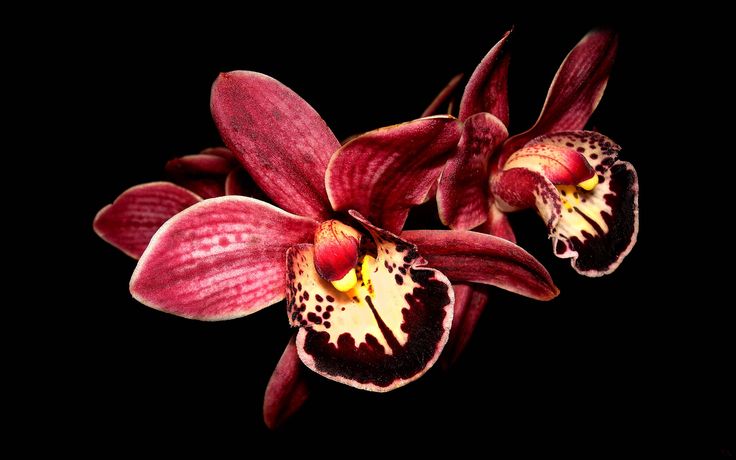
(220, 259)
(443, 97)
(498, 224)
(383, 173)
(462, 195)
(476, 257)
(486, 90)
(575, 91)
(384, 333)
(132, 219)
(335, 249)
(470, 301)
(205, 187)
(218, 151)
(522, 188)
(287, 389)
(279, 138)
(200, 164)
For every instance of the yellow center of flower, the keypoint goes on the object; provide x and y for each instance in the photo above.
(590, 183)
(350, 280)
(347, 282)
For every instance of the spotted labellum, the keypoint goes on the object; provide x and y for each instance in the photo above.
(373, 307)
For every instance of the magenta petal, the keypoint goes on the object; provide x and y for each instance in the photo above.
(132, 219)
(444, 96)
(383, 173)
(462, 195)
(486, 90)
(576, 89)
(470, 301)
(221, 259)
(476, 257)
(279, 138)
(287, 389)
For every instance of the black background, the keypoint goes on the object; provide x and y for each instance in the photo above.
(607, 364)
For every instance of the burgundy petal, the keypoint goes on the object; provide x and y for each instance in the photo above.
(287, 389)
(522, 188)
(202, 163)
(383, 173)
(486, 90)
(238, 182)
(443, 97)
(220, 259)
(470, 301)
(462, 195)
(385, 332)
(476, 257)
(132, 219)
(575, 91)
(279, 138)
(559, 164)
(498, 224)
(204, 187)
(218, 151)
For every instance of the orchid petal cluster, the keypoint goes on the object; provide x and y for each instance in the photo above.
(287, 213)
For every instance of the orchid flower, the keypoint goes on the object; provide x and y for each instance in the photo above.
(373, 309)
(587, 198)
(132, 219)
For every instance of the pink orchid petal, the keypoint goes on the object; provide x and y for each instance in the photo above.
(498, 224)
(443, 97)
(470, 301)
(223, 152)
(132, 219)
(279, 138)
(560, 164)
(204, 187)
(238, 182)
(220, 259)
(287, 389)
(575, 91)
(479, 258)
(200, 164)
(486, 90)
(385, 332)
(462, 194)
(383, 173)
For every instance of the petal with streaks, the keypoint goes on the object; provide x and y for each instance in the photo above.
(575, 91)
(278, 137)
(479, 258)
(462, 194)
(220, 259)
(132, 219)
(486, 90)
(385, 172)
(385, 332)
(287, 389)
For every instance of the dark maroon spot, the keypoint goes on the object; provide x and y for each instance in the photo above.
(402, 270)
(401, 247)
(593, 156)
(600, 168)
(576, 195)
(318, 307)
(301, 272)
(560, 247)
(327, 324)
(563, 193)
(301, 298)
(581, 149)
(326, 315)
(330, 298)
(601, 179)
(329, 308)
(569, 209)
(355, 299)
(306, 295)
(343, 308)
(569, 144)
(318, 298)
(311, 316)
(399, 279)
(592, 147)
(299, 286)
(302, 307)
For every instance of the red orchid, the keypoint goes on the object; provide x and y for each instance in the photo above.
(132, 219)
(371, 312)
(588, 199)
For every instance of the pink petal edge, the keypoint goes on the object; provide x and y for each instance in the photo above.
(287, 390)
